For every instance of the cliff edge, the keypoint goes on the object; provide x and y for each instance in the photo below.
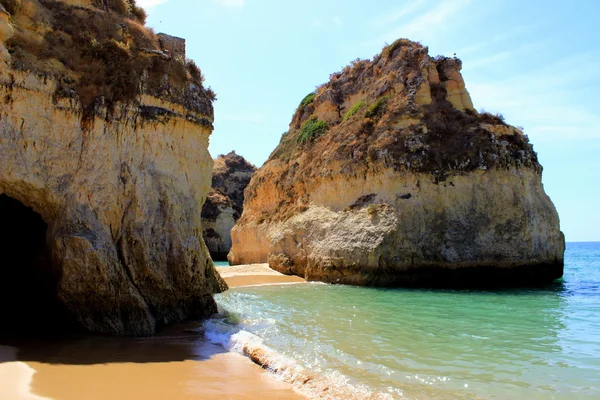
(388, 176)
(224, 205)
(104, 170)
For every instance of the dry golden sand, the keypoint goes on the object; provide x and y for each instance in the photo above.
(254, 274)
(176, 365)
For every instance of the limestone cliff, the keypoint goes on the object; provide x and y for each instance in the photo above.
(223, 207)
(388, 176)
(105, 136)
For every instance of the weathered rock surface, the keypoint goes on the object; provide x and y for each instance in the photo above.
(6, 32)
(224, 205)
(118, 178)
(389, 177)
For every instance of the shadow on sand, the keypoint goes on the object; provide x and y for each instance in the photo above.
(176, 343)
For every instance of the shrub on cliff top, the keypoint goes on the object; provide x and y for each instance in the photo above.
(310, 130)
(125, 8)
(109, 73)
(194, 71)
(138, 12)
(354, 109)
(211, 94)
(307, 99)
(100, 52)
(489, 118)
(389, 50)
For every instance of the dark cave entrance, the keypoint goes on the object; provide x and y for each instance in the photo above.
(28, 302)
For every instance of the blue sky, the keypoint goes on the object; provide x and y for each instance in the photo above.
(537, 62)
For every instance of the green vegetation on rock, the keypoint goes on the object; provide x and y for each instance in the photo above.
(307, 99)
(377, 109)
(354, 109)
(310, 130)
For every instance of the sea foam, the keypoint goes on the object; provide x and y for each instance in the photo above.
(227, 330)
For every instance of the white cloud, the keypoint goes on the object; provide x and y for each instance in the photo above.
(317, 22)
(148, 4)
(231, 3)
(337, 21)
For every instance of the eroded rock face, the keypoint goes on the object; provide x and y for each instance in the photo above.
(224, 205)
(119, 179)
(389, 177)
(6, 32)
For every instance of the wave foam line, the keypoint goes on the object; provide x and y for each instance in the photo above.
(328, 386)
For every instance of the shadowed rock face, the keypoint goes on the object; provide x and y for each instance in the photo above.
(389, 177)
(223, 207)
(117, 180)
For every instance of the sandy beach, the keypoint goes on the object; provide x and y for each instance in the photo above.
(177, 364)
(255, 274)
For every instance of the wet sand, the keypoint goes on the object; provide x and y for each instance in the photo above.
(177, 364)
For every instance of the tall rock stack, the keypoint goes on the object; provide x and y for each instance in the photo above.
(105, 137)
(224, 205)
(389, 177)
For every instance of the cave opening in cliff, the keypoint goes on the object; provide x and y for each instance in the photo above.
(28, 301)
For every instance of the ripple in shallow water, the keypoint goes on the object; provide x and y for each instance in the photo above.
(426, 343)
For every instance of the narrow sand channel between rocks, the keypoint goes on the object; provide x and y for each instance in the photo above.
(174, 365)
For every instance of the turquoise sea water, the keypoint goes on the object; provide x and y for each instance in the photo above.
(393, 343)
(221, 263)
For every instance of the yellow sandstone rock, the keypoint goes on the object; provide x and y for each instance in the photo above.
(223, 207)
(6, 32)
(416, 188)
(120, 185)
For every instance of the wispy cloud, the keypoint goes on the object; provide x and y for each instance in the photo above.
(496, 39)
(542, 100)
(497, 57)
(334, 21)
(231, 3)
(398, 14)
(424, 26)
(253, 118)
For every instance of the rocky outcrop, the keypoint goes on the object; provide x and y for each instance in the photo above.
(223, 207)
(108, 144)
(389, 177)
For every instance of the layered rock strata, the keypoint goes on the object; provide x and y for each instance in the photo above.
(117, 170)
(389, 177)
(224, 205)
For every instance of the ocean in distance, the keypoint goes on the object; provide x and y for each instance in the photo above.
(221, 264)
(406, 343)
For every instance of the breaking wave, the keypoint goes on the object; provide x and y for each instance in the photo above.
(229, 331)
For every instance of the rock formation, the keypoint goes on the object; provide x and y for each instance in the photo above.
(104, 137)
(223, 207)
(389, 177)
